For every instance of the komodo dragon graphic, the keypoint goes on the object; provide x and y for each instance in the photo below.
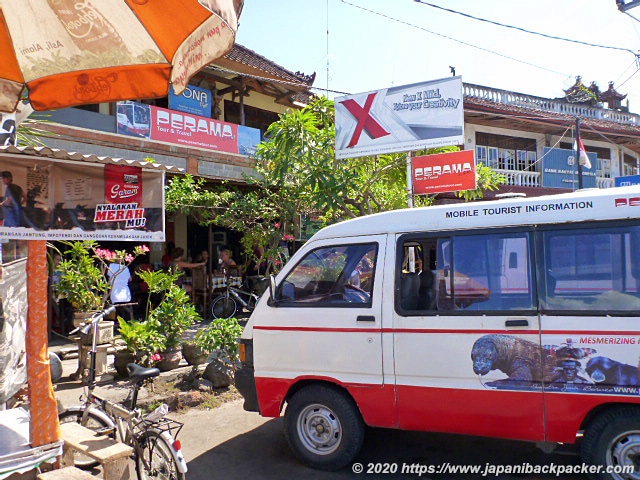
(519, 359)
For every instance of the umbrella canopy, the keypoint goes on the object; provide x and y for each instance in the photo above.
(74, 52)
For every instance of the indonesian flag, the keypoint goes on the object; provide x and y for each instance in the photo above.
(584, 158)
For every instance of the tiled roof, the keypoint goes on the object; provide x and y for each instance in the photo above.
(488, 106)
(244, 56)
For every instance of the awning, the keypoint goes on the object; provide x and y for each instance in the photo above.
(58, 154)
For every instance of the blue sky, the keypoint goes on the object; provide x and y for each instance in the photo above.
(403, 43)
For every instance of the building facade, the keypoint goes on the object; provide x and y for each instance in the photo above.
(514, 132)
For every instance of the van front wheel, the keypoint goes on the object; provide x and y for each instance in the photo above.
(613, 442)
(323, 427)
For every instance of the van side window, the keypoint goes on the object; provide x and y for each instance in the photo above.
(484, 272)
(335, 275)
(595, 269)
(489, 272)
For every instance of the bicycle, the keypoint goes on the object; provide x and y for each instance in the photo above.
(156, 452)
(226, 304)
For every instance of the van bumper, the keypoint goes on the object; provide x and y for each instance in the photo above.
(245, 379)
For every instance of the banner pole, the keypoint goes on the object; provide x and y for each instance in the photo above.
(410, 202)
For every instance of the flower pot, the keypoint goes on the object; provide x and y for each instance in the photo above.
(170, 360)
(193, 354)
(121, 359)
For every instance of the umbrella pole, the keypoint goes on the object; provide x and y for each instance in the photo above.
(44, 427)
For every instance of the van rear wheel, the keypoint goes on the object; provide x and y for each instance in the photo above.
(613, 441)
(323, 427)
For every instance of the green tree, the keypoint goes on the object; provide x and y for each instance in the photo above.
(297, 173)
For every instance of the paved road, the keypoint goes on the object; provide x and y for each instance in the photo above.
(230, 443)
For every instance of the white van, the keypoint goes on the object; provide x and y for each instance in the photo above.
(515, 319)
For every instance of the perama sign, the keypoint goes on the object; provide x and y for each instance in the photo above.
(400, 119)
(560, 169)
(444, 172)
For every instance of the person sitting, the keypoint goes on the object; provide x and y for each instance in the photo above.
(178, 265)
(166, 258)
(227, 263)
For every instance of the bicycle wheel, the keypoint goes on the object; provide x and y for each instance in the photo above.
(224, 307)
(155, 460)
(95, 422)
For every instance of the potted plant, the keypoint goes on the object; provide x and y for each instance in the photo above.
(171, 316)
(194, 354)
(142, 340)
(221, 336)
(82, 275)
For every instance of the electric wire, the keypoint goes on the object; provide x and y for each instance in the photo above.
(626, 70)
(552, 37)
(455, 39)
(274, 80)
(630, 77)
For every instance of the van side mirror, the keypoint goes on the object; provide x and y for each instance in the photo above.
(272, 289)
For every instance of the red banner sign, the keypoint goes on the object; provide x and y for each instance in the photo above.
(187, 129)
(123, 184)
(444, 172)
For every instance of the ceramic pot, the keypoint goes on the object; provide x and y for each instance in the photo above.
(193, 354)
(170, 360)
(121, 359)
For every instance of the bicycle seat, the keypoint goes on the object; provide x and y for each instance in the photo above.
(136, 372)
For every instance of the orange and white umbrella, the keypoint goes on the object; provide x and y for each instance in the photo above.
(74, 52)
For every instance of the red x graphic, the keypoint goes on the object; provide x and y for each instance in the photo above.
(365, 120)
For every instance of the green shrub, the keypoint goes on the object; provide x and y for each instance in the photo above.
(222, 335)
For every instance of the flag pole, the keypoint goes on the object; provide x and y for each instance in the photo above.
(578, 153)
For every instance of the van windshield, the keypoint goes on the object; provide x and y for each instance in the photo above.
(336, 274)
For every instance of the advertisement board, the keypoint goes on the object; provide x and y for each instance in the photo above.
(560, 169)
(180, 128)
(45, 198)
(194, 100)
(134, 119)
(627, 180)
(400, 119)
(444, 172)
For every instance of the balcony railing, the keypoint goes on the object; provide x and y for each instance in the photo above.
(548, 105)
(602, 182)
(534, 179)
(521, 179)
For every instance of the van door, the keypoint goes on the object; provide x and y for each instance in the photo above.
(466, 334)
(326, 323)
(590, 302)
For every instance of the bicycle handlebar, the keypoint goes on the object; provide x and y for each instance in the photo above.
(86, 328)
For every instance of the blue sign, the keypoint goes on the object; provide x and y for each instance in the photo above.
(248, 140)
(560, 169)
(627, 180)
(194, 100)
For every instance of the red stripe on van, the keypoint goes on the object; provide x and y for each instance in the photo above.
(318, 329)
(491, 413)
(446, 331)
(389, 330)
(488, 413)
(376, 402)
(567, 411)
